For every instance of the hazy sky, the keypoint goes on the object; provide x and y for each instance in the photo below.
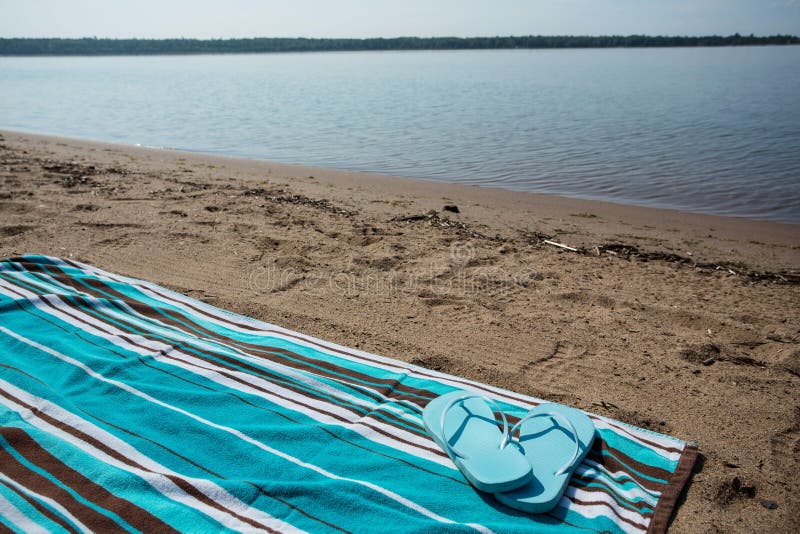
(391, 18)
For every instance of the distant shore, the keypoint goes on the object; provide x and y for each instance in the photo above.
(92, 46)
(681, 323)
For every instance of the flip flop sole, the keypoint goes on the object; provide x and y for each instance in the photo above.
(548, 446)
(471, 430)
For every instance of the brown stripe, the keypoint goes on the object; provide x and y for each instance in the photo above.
(200, 496)
(17, 471)
(669, 497)
(577, 481)
(301, 392)
(45, 511)
(5, 530)
(603, 503)
(625, 463)
(136, 516)
(262, 351)
(73, 431)
(97, 288)
(623, 430)
(214, 474)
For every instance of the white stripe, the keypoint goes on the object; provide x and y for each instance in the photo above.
(155, 474)
(638, 436)
(7, 292)
(211, 314)
(636, 492)
(50, 304)
(244, 437)
(306, 377)
(618, 477)
(214, 344)
(53, 504)
(230, 320)
(398, 367)
(18, 518)
(583, 495)
(591, 511)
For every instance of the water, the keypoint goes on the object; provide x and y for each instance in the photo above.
(714, 130)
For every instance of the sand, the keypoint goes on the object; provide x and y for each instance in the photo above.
(685, 324)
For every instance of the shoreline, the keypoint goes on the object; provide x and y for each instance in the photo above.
(711, 235)
(697, 349)
(326, 170)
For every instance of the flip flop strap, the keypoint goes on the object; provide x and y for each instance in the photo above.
(460, 399)
(552, 415)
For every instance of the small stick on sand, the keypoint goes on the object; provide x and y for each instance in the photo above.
(560, 245)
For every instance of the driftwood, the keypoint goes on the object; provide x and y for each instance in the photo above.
(632, 252)
(619, 250)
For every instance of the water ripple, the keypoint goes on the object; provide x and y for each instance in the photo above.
(706, 130)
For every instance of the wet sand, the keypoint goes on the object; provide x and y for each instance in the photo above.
(681, 323)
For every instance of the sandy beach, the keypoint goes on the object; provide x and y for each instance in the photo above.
(681, 323)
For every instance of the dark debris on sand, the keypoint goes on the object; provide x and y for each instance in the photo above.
(287, 197)
(432, 218)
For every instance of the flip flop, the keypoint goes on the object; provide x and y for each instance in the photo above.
(555, 439)
(463, 425)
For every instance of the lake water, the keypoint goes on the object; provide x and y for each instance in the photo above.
(714, 130)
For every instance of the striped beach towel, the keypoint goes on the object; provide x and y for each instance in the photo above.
(127, 406)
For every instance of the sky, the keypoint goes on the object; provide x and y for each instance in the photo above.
(392, 18)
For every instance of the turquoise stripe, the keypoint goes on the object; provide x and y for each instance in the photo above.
(632, 470)
(272, 375)
(641, 453)
(78, 497)
(278, 343)
(625, 502)
(26, 508)
(162, 307)
(125, 485)
(600, 523)
(621, 487)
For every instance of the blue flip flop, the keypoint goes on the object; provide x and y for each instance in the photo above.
(555, 439)
(464, 426)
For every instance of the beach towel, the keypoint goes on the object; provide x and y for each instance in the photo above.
(127, 406)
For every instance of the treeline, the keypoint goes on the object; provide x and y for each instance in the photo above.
(92, 46)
